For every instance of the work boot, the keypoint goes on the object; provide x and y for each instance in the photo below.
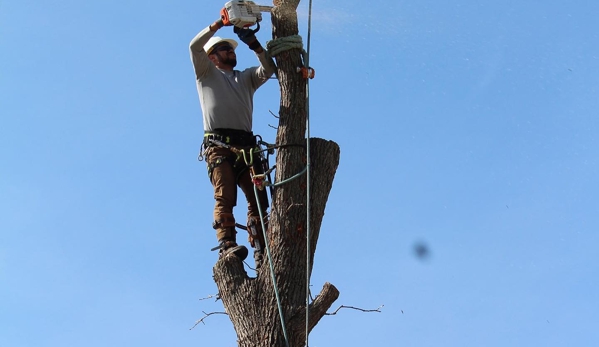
(227, 246)
(258, 258)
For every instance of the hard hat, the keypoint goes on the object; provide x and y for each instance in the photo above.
(214, 40)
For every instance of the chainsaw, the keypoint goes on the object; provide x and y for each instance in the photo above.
(243, 13)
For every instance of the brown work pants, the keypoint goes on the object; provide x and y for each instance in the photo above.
(226, 172)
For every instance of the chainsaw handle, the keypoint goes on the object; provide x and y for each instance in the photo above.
(224, 16)
(257, 28)
(237, 29)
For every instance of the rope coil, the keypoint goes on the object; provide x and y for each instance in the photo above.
(282, 44)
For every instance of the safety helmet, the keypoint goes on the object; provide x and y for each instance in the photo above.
(214, 40)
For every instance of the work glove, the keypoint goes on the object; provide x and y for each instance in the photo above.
(248, 37)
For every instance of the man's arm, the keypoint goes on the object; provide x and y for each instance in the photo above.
(199, 58)
(263, 72)
(267, 65)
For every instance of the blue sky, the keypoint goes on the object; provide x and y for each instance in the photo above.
(467, 126)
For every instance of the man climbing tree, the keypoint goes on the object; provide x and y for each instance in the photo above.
(275, 308)
(226, 99)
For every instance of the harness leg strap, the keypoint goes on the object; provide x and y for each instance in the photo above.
(225, 227)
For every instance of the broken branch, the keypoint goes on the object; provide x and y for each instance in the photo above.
(211, 296)
(206, 316)
(378, 309)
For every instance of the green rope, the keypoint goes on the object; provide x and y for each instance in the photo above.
(291, 178)
(282, 44)
(272, 269)
(308, 187)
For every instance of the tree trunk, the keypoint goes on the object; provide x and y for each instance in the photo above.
(251, 302)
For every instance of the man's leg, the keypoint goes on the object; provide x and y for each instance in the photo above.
(222, 178)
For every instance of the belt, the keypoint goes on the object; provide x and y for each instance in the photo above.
(230, 137)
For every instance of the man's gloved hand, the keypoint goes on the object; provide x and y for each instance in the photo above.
(248, 37)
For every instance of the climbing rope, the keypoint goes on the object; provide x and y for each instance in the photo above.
(272, 269)
(307, 64)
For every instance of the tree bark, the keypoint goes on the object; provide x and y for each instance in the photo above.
(251, 302)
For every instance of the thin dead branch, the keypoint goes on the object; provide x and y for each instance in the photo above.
(211, 296)
(248, 265)
(378, 309)
(206, 316)
(274, 115)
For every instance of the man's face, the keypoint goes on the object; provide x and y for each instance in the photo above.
(225, 54)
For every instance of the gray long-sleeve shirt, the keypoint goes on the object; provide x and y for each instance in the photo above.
(226, 96)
